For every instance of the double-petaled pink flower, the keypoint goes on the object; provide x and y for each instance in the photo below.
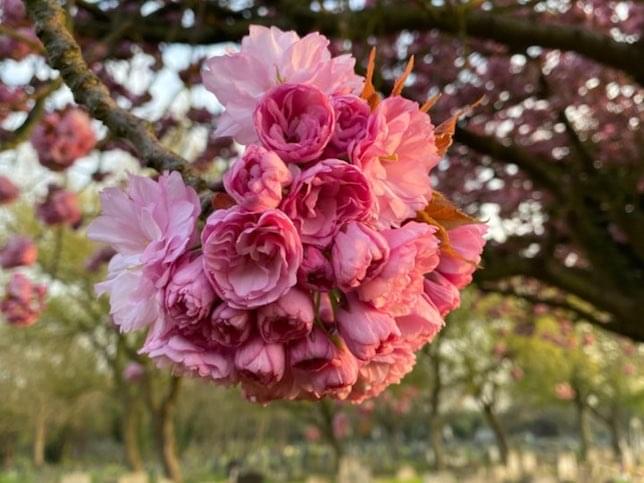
(268, 58)
(19, 251)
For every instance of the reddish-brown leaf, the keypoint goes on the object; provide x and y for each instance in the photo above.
(400, 82)
(369, 92)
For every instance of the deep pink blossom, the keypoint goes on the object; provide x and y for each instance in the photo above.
(19, 251)
(62, 137)
(296, 121)
(421, 325)
(268, 58)
(367, 331)
(359, 254)
(255, 181)
(23, 301)
(413, 253)
(59, 207)
(443, 294)
(467, 241)
(230, 327)
(189, 351)
(261, 361)
(316, 272)
(8, 191)
(188, 297)
(325, 197)
(251, 259)
(289, 317)
(322, 368)
(396, 156)
(351, 115)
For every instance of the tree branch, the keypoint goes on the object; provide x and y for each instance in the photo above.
(510, 31)
(65, 55)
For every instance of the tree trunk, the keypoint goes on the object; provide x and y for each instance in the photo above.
(435, 419)
(334, 441)
(165, 433)
(130, 428)
(40, 438)
(438, 445)
(583, 428)
(499, 432)
(616, 439)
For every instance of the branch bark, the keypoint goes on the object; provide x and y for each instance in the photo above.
(64, 54)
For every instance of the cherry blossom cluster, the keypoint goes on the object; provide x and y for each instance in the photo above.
(317, 279)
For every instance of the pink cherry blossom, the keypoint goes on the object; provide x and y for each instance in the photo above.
(62, 137)
(443, 294)
(150, 225)
(270, 57)
(59, 207)
(325, 197)
(359, 254)
(260, 361)
(230, 327)
(19, 251)
(255, 181)
(289, 317)
(322, 368)
(251, 259)
(23, 301)
(189, 351)
(133, 372)
(351, 115)
(367, 331)
(316, 272)
(396, 156)
(421, 325)
(468, 242)
(413, 253)
(296, 121)
(188, 297)
(8, 191)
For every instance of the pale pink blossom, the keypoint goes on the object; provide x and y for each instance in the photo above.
(19, 251)
(251, 259)
(153, 221)
(133, 372)
(62, 137)
(289, 317)
(261, 362)
(366, 331)
(358, 255)
(150, 225)
(296, 121)
(413, 253)
(270, 57)
(564, 391)
(396, 156)
(325, 197)
(255, 181)
(23, 301)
